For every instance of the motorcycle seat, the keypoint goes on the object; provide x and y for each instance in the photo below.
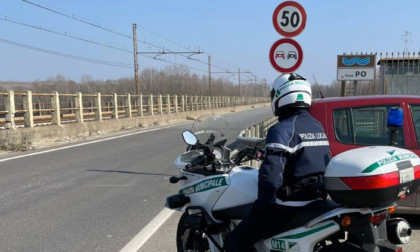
(303, 214)
(309, 212)
(236, 213)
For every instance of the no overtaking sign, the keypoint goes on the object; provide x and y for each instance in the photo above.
(286, 55)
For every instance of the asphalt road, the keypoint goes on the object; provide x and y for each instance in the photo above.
(414, 244)
(99, 195)
(93, 196)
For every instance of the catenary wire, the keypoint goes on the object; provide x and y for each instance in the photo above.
(72, 16)
(110, 63)
(78, 19)
(61, 33)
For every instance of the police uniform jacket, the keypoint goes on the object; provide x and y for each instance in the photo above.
(296, 155)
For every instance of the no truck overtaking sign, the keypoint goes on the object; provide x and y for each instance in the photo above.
(286, 55)
(289, 19)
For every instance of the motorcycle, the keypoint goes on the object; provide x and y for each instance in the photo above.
(217, 190)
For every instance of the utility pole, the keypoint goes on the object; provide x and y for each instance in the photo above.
(239, 81)
(209, 63)
(255, 81)
(157, 54)
(226, 72)
(265, 88)
(239, 78)
(136, 63)
(407, 33)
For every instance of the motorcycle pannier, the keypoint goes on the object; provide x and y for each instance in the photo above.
(372, 176)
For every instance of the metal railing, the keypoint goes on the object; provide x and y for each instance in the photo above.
(258, 130)
(34, 109)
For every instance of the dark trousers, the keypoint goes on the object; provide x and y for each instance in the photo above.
(260, 224)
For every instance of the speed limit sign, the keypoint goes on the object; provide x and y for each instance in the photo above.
(289, 19)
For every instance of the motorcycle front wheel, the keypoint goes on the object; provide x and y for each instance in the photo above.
(189, 239)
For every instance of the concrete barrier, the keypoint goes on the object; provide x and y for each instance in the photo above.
(258, 130)
(26, 137)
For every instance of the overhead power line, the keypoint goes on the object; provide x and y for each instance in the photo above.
(62, 34)
(72, 16)
(99, 26)
(109, 63)
(174, 63)
(164, 37)
(78, 19)
(87, 40)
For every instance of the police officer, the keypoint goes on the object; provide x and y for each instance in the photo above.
(291, 174)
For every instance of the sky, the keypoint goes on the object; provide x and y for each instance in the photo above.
(40, 39)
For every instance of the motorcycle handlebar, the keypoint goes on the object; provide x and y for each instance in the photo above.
(198, 160)
(248, 154)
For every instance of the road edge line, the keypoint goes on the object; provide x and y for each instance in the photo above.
(141, 238)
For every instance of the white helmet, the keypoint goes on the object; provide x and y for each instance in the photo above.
(290, 91)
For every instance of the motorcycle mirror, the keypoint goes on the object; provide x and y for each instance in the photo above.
(189, 137)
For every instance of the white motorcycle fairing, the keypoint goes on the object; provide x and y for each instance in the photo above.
(217, 192)
(299, 239)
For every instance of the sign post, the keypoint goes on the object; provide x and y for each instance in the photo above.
(355, 68)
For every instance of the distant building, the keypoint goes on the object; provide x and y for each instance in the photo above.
(400, 75)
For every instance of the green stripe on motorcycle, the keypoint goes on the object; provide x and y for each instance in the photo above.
(204, 185)
(306, 233)
(389, 160)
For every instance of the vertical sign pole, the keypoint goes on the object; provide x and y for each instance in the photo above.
(136, 63)
(239, 81)
(209, 63)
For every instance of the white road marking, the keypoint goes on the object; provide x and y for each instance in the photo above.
(86, 143)
(141, 238)
(109, 185)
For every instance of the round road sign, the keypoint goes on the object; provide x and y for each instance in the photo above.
(289, 19)
(286, 55)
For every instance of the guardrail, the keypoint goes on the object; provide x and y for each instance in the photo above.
(258, 130)
(33, 109)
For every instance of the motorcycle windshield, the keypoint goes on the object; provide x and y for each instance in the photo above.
(209, 124)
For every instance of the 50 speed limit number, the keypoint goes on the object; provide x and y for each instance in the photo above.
(289, 19)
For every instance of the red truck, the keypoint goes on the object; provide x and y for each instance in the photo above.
(353, 122)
